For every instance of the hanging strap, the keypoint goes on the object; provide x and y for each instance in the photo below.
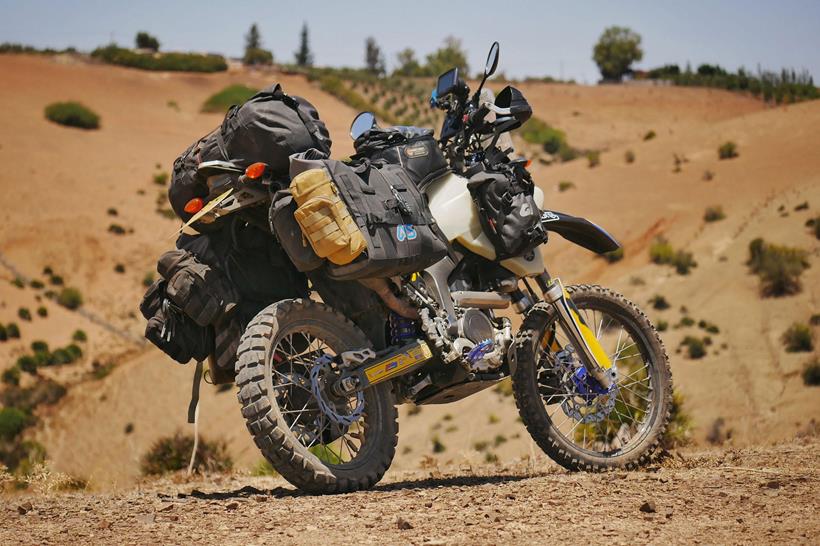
(192, 406)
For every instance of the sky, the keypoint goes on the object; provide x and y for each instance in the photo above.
(537, 37)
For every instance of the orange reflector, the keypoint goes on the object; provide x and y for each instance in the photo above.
(194, 205)
(255, 170)
(528, 163)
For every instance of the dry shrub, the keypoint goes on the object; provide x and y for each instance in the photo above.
(173, 453)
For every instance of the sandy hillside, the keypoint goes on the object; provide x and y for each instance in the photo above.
(62, 181)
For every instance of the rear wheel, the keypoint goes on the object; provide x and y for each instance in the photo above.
(319, 442)
(570, 419)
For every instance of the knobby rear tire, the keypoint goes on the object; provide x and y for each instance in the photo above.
(270, 430)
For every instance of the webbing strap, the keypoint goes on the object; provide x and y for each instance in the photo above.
(192, 406)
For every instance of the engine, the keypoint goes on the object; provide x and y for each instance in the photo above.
(469, 336)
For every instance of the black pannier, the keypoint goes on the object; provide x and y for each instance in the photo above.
(508, 212)
(269, 128)
(413, 148)
(401, 234)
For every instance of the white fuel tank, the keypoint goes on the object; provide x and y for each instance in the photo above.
(454, 210)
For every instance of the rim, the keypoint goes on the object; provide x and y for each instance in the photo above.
(602, 425)
(288, 369)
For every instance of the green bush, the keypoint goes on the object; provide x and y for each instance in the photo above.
(24, 313)
(13, 330)
(72, 114)
(18, 282)
(696, 347)
(713, 214)
(629, 156)
(615, 256)
(229, 96)
(708, 326)
(593, 158)
(42, 311)
(779, 267)
(11, 376)
(811, 372)
(27, 363)
(36, 284)
(565, 185)
(661, 252)
(70, 298)
(173, 453)
(160, 179)
(257, 56)
(814, 223)
(39, 346)
(119, 268)
(798, 338)
(536, 131)
(438, 445)
(12, 423)
(659, 302)
(185, 62)
(727, 150)
(685, 322)
(148, 279)
(4, 335)
(679, 431)
(79, 336)
(649, 135)
(56, 280)
(662, 326)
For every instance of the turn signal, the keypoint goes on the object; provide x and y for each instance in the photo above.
(194, 205)
(255, 170)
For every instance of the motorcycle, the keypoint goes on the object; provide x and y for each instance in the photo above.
(319, 381)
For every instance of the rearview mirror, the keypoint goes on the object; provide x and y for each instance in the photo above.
(447, 83)
(362, 124)
(492, 61)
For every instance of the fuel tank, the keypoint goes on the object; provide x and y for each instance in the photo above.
(457, 216)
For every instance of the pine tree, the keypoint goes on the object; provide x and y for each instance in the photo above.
(304, 57)
(252, 38)
(373, 58)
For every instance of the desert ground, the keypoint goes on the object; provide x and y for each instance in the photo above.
(58, 184)
(752, 495)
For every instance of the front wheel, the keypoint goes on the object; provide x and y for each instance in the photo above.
(318, 441)
(580, 425)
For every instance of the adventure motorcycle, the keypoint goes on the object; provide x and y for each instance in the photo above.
(319, 381)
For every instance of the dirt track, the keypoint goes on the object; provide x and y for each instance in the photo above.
(761, 495)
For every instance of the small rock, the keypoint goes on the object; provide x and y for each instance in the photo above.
(648, 507)
(147, 518)
(403, 524)
(104, 524)
(260, 498)
(165, 508)
(25, 508)
(233, 505)
(773, 484)
(173, 517)
(428, 504)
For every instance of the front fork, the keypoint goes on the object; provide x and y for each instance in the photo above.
(582, 337)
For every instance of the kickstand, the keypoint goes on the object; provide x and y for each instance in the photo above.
(193, 412)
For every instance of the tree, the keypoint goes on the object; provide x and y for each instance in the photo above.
(408, 65)
(373, 57)
(254, 53)
(304, 57)
(616, 50)
(451, 55)
(146, 41)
